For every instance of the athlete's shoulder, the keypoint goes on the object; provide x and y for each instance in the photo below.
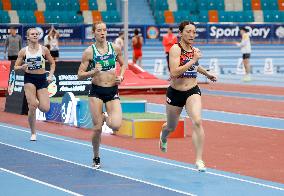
(115, 46)
(44, 48)
(22, 52)
(175, 50)
(196, 49)
(176, 47)
(88, 51)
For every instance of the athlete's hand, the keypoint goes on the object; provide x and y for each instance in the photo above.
(197, 54)
(24, 67)
(118, 79)
(49, 79)
(98, 67)
(211, 77)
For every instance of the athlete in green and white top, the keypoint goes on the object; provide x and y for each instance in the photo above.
(103, 56)
(107, 60)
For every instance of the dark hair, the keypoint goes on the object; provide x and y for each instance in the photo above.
(120, 33)
(171, 28)
(13, 27)
(136, 32)
(244, 29)
(183, 24)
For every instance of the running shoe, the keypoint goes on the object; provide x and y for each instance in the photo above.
(97, 162)
(33, 137)
(200, 165)
(163, 145)
(247, 78)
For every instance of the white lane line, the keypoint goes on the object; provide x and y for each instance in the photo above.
(40, 182)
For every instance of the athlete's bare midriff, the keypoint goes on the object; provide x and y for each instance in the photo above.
(105, 79)
(37, 71)
(183, 84)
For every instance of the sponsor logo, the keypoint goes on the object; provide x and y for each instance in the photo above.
(89, 32)
(152, 32)
(39, 29)
(280, 32)
(52, 87)
(234, 31)
(169, 100)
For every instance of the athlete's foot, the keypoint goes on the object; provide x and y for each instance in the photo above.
(97, 162)
(163, 144)
(247, 78)
(33, 137)
(200, 165)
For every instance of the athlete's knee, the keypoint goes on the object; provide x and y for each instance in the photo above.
(97, 130)
(44, 108)
(33, 105)
(197, 122)
(115, 126)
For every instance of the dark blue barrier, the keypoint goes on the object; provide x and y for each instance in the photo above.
(54, 114)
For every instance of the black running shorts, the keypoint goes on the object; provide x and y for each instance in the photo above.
(178, 98)
(39, 80)
(104, 93)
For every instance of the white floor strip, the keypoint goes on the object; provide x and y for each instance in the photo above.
(40, 182)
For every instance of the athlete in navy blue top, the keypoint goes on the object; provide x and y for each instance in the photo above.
(35, 80)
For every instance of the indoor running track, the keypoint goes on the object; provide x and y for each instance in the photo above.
(56, 165)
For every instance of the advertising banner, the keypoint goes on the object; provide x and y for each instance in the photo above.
(259, 32)
(66, 80)
(154, 32)
(204, 32)
(65, 31)
(113, 31)
(278, 32)
(16, 101)
(5, 31)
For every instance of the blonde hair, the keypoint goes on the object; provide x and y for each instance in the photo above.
(29, 30)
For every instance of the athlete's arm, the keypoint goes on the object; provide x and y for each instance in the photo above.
(120, 60)
(18, 63)
(51, 62)
(244, 42)
(86, 58)
(174, 60)
(134, 41)
(203, 71)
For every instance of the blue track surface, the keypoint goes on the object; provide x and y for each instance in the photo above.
(244, 95)
(66, 163)
(228, 117)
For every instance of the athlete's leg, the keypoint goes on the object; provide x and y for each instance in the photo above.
(246, 65)
(193, 107)
(96, 108)
(134, 59)
(30, 92)
(43, 98)
(139, 61)
(114, 112)
(173, 114)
